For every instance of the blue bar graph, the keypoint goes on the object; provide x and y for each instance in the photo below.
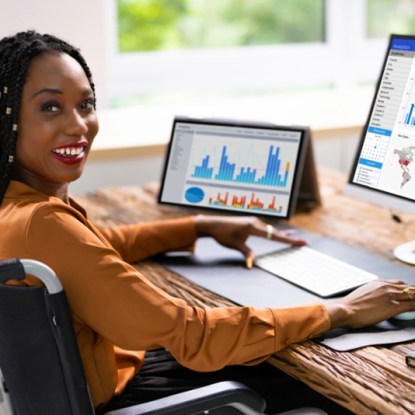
(409, 118)
(203, 171)
(227, 171)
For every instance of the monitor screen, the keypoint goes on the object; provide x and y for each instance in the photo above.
(240, 167)
(384, 171)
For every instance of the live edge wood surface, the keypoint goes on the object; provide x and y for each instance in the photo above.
(371, 380)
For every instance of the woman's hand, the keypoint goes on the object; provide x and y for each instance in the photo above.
(233, 232)
(370, 304)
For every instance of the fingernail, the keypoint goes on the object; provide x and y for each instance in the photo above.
(249, 262)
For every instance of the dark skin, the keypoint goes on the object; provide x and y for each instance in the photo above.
(57, 126)
(57, 116)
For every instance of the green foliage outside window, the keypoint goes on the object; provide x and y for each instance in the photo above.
(390, 16)
(150, 25)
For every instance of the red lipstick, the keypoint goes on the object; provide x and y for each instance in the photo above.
(70, 154)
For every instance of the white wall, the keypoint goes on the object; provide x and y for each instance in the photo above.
(80, 22)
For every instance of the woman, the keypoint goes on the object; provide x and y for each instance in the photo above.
(47, 125)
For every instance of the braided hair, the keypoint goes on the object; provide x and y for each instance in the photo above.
(16, 53)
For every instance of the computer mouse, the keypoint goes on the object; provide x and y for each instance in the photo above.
(409, 315)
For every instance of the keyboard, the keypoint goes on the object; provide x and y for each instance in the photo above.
(314, 271)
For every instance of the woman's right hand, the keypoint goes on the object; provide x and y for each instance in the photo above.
(370, 304)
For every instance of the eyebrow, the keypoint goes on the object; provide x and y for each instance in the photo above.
(85, 92)
(47, 90)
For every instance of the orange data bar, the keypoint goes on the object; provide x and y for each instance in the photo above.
(239, 202)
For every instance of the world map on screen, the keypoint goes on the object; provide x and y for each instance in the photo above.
(406, 157)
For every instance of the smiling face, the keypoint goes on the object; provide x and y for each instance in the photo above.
(57, 124)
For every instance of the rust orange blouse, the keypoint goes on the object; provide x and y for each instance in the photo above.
(118, 313)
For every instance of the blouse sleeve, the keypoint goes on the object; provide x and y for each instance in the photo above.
(142, 240)
(116, 301)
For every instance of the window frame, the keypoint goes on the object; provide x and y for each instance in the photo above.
(346, 58)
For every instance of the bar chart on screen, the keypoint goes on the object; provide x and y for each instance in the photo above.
(266, 165)
(409, 118)
(407, 109)
(260, 204)
(275, 173)
(240, 176)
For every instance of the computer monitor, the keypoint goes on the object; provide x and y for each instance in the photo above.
(241, 167)
(383, 171)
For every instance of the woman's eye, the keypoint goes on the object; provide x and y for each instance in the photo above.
(50, 107)
(88, 104)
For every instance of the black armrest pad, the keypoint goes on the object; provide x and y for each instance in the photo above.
(201, 399)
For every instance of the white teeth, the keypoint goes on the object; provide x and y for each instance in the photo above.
(69, 151)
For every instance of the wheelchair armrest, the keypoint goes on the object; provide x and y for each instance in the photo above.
(202, 399)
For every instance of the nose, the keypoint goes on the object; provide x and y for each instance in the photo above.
(76, 124)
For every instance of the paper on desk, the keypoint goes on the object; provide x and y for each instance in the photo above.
(384, 333)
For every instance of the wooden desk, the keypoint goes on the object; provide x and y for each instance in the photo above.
(372, 380)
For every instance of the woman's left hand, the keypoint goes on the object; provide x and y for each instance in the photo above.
(233, 232)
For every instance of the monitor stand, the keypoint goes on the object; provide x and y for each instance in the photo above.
(405, 252)
(309, 192)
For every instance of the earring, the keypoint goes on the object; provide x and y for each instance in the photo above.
(11, 159)
(14, 127)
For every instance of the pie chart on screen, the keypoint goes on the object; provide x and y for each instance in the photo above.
(194, 195)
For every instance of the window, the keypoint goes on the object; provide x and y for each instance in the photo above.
(150, 25)
(175, 50)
